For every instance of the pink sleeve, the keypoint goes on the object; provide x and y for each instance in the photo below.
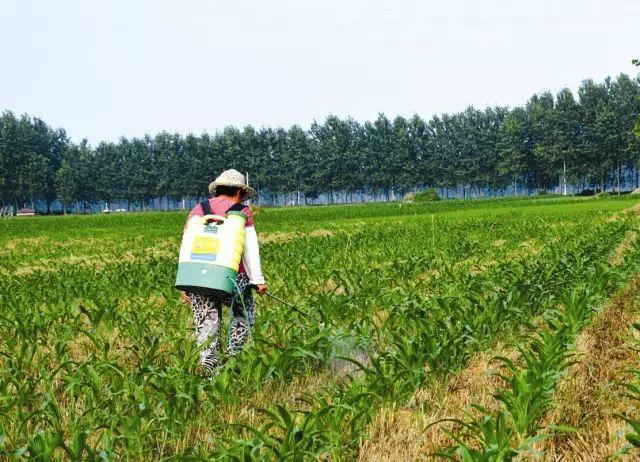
(195, 212)
(247, 212)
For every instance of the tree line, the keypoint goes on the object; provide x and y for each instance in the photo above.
(590, 139)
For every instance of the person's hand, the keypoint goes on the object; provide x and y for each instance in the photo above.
(261, 288)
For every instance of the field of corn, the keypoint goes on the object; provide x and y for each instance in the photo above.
(476, 331)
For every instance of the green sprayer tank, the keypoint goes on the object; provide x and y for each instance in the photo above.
(210, 253)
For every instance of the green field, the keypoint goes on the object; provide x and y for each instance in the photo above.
(98, 359)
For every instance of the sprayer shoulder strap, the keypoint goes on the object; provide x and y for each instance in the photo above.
(206, 208)
(236, 208)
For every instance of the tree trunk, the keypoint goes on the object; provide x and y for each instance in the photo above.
(618, 172)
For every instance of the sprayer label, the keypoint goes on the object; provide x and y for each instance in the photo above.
(205, 244)
(208, 257)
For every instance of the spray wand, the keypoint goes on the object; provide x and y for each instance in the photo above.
(296, 309)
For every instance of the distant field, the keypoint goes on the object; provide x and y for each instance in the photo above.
(98, 359)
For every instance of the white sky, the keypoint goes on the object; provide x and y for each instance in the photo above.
(102, 69)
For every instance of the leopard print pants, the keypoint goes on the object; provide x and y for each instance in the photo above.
(207, 311)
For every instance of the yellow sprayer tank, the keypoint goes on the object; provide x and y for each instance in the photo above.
(210, 253)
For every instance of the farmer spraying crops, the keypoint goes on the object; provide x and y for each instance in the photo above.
(220, 265)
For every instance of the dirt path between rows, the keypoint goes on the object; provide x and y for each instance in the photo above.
(399, 433)
(590, 396)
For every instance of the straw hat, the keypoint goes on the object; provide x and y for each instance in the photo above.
(235, 179)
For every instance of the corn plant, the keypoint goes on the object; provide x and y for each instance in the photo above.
(632, 392)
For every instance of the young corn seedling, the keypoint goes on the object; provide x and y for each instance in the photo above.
(632, 436)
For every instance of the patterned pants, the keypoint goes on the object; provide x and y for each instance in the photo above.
(207, 311)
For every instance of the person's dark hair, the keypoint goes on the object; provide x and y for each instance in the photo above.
(228, 191)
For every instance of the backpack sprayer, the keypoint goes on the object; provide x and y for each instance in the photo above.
(211, 251)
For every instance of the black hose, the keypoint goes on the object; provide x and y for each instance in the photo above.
(296, 309)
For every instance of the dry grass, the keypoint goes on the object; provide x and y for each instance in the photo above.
(613, 218)
(281, 236)
(590, 396)
(379, 317)
(288, 394)
(278, 236)
(96, 261)
(428, 275)
(163, 249)
(476, 265)
(635, 210)
(562, 225)
(320, 233)
(330, 286)
(205, 431)
(628, 243)
(14, 244)
(27, 270)
(527, 248)
(480, 268)
(399, 433)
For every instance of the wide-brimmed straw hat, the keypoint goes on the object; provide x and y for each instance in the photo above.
(234, 179)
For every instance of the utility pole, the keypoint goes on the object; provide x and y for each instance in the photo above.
(246, 175)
